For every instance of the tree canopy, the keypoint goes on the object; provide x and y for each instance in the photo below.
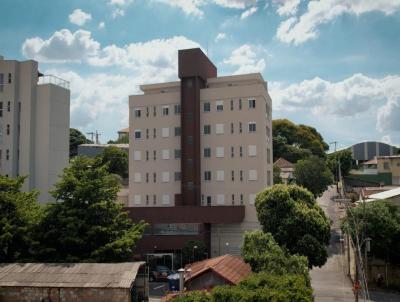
(85, 224)
(313, 174)
(191, 254)
(380, 221)
(116, 161)
(76, 138)
(346, 162)
(20, 213)
(297, 223)
(294, 142)
(122, 140)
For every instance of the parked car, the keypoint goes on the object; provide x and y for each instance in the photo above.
(160, 273)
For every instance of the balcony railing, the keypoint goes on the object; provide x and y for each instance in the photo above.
(51, 79)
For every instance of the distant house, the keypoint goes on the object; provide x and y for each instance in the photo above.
(392, 195)
(92, 150)
(123, 133)
(89, 282)
(287, 170)
(226, 269)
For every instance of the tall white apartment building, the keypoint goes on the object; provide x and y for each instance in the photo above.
(200, 151)
(34, 125)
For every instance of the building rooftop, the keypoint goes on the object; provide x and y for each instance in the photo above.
(283, 163)
(51, 79)
(97, 275)
(122, 146)
(389, 157)
(231, 268)
(386, 194)
(125, 130)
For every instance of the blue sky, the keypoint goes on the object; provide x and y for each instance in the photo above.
(332, 64)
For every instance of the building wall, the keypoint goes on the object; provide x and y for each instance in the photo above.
(39, 294)
(205, 281)
(390, 165)
(368, 150)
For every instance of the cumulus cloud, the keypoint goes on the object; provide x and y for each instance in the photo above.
(288, 7)
(119, 7)
(62, 46)
(79, 17)
(220, 36)
(350, 97)
(249, 12)
(246, 59)
(239, 4)
(102, 25)
(300, 29)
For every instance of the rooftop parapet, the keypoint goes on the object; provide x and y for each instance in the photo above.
(51, 79)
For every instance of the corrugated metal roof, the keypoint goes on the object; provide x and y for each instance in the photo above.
(386, 194)
(231, 268)
(114, 275)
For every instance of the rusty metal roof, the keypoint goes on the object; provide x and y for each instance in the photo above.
(231, 268)
(98, 275)
(283, 163)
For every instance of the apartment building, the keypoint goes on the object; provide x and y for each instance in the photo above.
(200, 150)
(34, 125)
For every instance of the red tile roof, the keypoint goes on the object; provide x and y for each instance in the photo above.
(231, 268)
(283, 163)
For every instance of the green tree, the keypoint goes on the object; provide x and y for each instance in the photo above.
(295, 142)
(20, 212)
(85, 224)
(380, 221)
(313, 174)
(191, 254)
(346, 162)
(116, 160)
(76, 138)
(262, 252)
(297, 223)
(122, 140)
(277, 175)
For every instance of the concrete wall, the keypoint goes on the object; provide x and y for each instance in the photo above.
(44, 294)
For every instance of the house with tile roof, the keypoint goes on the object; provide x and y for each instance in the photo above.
(286, 170)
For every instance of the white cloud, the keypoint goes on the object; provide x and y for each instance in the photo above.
(120, 2)
(245, 59)
(62, 46)
(298, 30)
(79, 17)
(288, 7)
(118, 12)
(102, 25)
(190, 7)
(220, 36)
(350, 97)
(239, 4)
(249, 12)
(119, 7)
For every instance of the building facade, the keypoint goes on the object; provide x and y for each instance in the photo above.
(369, 150)
(34, 125)
(200, 151)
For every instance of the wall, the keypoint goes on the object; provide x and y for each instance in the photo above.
(44, 294)
(206, 280)
(390, 273)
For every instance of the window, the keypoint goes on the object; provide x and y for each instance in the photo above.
(8, 106)
(233, 198)
(165, 176)
(177, 153)
(190, 185)
(252, 103)
(147, 111)
(147, 155)
(267, 131)
(154, 199)
(189, 116)
(220, 105)
(233, 175)
(9, 78)
(154, 177)
(240, 127)
(207, 175)
(147, 199)
(154, 133)
(7, 154)
(241, 199)
(252, 150)
(137, 199)
(138, 134)
(138, 177)
(165, 132)
(209, 200)
(252, 127)
(220, 152)
(220, 198)
(241, 175)
(231, 105)
(207, 129)
(177, 131)
(177, 176)
(1, 82)
(386, 165)
(206, 107)
(138, 113)
(177, 109)
(268, 178)
(268, 156)
(220, 175)
(219, 128)
(154, 154)
(207, 152)
(232, 151)
(241, 151)
(8, 129)
(165, 154)
(240, 104)
(165, 110)
(1, 109)
(252, 175)
(190, 140)
(137, 155)
(154, 111)
(190, 162)
(252, 198)
(165, 199)
(232, 128)
(147, 177)
(147, 133)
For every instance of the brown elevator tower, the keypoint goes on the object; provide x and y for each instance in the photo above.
(194, 68)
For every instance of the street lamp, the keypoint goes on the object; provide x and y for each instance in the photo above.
(194, 248)
(227, 247)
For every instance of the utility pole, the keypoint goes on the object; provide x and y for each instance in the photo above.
(96, 135)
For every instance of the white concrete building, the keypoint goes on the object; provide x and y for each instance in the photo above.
(34, 125)
(200, 145)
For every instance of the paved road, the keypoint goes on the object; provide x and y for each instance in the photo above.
(330, 282)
